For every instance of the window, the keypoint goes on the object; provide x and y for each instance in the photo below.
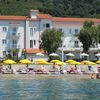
(70, 31)
(34, 29)
(60, 29)
(31, 43)
(76, 44)
(4, 29)
(76, 30)
(4, 41)
(47, 25)
(31, 31)
(14, 30)
(13, 34)
(14, 43)
(34, 42)
(4, 53)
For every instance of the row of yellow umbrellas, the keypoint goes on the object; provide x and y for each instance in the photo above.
(82, 62)
(24, 61)
(41, 61)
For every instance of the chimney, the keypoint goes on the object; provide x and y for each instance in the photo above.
(34, 13)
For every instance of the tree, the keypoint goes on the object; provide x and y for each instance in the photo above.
(51, 40)
(98, 34)
(86, 35)
(85, 38)
(88, 24)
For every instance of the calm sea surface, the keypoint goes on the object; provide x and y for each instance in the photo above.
(50, 89)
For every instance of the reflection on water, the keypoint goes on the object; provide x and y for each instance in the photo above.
(49, 89)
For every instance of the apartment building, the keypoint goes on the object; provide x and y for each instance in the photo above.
(23, 32)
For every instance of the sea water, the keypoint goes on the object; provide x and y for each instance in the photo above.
(50, 89)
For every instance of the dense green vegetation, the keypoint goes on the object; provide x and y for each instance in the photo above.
(89, 35)
(17, 7)
(64, 8)
(51, 40)
(75, 8)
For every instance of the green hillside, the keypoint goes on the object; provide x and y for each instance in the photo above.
(17, 7)
(62, 8)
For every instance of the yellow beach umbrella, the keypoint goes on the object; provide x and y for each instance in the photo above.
(54, 61)
(68, 61)
(98, 62)
(59, 63)
(25, 61)
(88, 62)
(43, 62)
(85, 61)
(91, 63)
(40, 60)
(9, 61)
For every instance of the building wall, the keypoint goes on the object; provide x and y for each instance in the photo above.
(7, 35)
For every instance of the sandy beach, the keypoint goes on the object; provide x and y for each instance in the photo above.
(44, 76)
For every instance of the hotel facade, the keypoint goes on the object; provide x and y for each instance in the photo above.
(23, 33)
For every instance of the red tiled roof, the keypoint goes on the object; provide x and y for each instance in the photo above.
(33, 19)
(31, 50)
(44, 16)
(60, 19)
(13, 17)
(47, 16)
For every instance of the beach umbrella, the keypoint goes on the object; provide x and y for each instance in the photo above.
(53, 54)
(98, 62)
(43, 62)
(74, 63)
(84, 61)
(91, 63)
(70, 54)
(84, 54)
(9, 62)
(59, 63)
(25, 61)
(39, 54)
(88, 62)
(39, 60)
(98, 54)
(54, 61)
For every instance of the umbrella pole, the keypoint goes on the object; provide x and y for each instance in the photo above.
(10, 66)
(27, 66)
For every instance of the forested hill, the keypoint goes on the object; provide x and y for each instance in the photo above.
(61, 8)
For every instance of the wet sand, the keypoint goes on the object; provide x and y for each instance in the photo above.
(42, 76)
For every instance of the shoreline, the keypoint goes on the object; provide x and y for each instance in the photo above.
(42, 76)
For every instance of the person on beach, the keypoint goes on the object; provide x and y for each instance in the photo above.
(93, 76)
(97, 76)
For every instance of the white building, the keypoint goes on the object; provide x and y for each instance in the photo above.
(23, 32)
